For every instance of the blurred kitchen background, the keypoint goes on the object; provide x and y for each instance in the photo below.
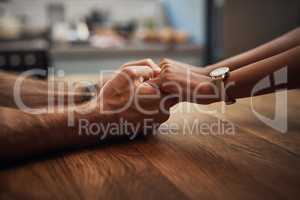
(84, 37)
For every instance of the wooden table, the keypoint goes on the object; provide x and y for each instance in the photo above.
(256, 162)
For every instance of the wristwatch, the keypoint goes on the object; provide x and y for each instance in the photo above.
(219, 76)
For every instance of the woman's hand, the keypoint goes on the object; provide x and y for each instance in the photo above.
(198, 70)
(189, 83)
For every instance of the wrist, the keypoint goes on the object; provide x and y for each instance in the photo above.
(220, 77)
(94, 112)
(208, 69)
(208, 93)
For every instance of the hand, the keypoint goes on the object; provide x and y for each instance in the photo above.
(197, 70)
(129, 96)
(187, 82)
(145, 62)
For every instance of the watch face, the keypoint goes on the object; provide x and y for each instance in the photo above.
(219, 72)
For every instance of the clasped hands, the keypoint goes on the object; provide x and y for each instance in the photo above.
(143, 90)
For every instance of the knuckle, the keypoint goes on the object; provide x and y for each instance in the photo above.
(129, 72)
(167, 68)
(164, 60)
(123, 66)
(148, 60)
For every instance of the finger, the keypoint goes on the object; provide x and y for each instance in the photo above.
(147, 62)
(141, 73)
(163, 66)
(155, 82)
(171, 102)
(148, 95)
(148, 89)
(165, 62)
(170, 61)
(177, 62)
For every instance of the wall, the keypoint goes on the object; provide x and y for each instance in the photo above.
(188, 15)
(36, 10)
(249, 23)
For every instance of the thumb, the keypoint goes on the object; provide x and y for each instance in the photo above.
(155, 82)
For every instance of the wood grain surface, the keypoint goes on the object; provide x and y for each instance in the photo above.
(256, 162)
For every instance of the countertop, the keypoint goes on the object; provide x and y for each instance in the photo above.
(132, 49)
(256, 162)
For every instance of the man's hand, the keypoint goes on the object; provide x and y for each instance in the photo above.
(127, 100)
(146, 62)
(130, 96)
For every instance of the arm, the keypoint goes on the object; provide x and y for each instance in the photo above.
(24, 135)
(36, 93)
(195, 87)
(246, 78)
(277, 46)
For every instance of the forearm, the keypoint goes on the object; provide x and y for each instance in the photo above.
(246, 78)
(24, 135)
(37, 93)
(277, 46)
(36, 90)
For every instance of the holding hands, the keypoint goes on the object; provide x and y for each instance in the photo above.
(143, 90)
(148, 85)
(132, 96)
